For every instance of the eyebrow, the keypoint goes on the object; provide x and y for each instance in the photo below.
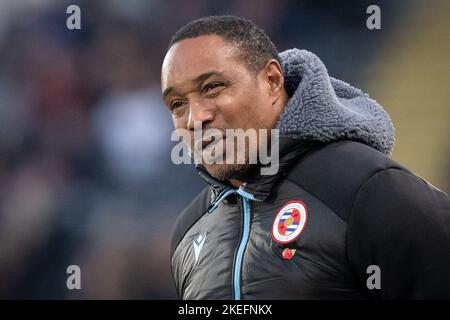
(199, 79)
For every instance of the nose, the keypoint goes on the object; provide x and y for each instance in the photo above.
(200, 112)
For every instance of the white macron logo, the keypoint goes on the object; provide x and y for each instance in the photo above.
(198, 245)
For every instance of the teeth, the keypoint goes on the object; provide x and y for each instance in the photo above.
(212, 153)
(211, 145)
(205, 143)
(207, 149)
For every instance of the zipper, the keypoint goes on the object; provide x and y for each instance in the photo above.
(241, 248)
(237, 268)
(245, 234)
(219, 199)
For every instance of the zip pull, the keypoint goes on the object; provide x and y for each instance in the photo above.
(216, 203)
(240, 191)
(246, 194)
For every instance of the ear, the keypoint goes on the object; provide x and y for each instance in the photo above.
(274, 78)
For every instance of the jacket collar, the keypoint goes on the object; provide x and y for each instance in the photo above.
(260, 186)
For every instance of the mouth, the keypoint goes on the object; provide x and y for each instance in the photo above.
(202, 145)
(208, 149)
(205, 144)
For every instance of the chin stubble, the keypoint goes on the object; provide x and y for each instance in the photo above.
(224, 172)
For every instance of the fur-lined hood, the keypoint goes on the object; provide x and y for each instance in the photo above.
(325, 109)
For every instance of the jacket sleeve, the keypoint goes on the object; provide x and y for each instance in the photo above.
(401, 224)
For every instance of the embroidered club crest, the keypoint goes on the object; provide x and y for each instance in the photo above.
(289, 222)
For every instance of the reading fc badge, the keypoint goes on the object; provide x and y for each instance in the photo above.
(289, 222)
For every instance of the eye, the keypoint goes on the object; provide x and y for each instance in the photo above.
(211, 86)
(175, 104)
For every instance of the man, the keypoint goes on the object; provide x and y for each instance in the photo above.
(339, 219)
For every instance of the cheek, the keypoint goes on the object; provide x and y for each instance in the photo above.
(226, 101)
(236, 108)
(180, 122)
(262, 110)
(186, 136)
(257, 112)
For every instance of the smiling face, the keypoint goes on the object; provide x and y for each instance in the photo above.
(204, 80)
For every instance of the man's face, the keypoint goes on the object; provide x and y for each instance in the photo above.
(203, 80)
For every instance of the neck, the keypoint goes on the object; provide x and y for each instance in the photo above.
(236, 183)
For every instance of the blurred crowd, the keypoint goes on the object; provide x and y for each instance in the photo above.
(85, 169)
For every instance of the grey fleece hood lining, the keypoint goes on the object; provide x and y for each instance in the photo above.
(325, 109)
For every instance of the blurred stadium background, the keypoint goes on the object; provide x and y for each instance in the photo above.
(85, 169)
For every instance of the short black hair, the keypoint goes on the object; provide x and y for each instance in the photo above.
(255, 46)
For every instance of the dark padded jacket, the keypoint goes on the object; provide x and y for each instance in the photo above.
(362, 209)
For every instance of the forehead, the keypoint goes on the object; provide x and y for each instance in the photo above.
(190, 58)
